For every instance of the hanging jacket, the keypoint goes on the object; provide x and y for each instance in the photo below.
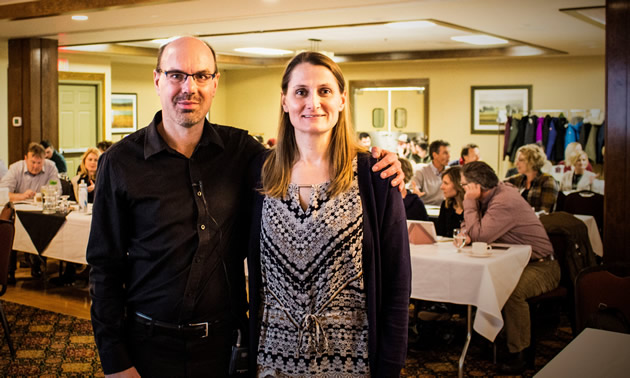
(539, 129)
(530, 130)
(572, 135)
(551, 139)
(560, 133)
(585, 131)
(579, 253)
(591, 143)
(600, 144)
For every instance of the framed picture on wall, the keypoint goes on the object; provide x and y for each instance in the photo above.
(492, 105)
(124, 113)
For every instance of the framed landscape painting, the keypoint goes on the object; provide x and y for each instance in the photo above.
(492, 105)
(124, 112)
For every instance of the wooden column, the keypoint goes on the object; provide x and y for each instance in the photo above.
(32, 94)
(617, 155)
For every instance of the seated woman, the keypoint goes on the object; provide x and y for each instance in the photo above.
(571, 149)
(579, 178)
(539, 189)
(452, 210)
(414, 207)
(87, 173)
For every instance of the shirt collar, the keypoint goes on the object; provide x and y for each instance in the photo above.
(26, 171)
(435, 170)
(154, 143)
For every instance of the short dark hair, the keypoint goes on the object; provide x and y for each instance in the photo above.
(435, 146)
(364, 135)
(468, 147)
(480, 173)
(158, 67)
(104, 145)
(46, 144)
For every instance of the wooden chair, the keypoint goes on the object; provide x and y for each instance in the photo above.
(7, 233)
(604, 286)
(544, 309)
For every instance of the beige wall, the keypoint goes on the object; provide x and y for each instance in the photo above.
(138, 79)
(558, 83)
(4, 116)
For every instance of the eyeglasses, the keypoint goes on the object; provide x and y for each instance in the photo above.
(178, 77)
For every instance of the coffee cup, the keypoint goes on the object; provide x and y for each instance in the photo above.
(481, 249)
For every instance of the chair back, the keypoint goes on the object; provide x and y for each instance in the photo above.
(67, 189)
(604, 287)
(7, 232)
(586, 202)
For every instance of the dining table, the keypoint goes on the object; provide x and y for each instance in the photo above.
(65, 235)
(443, 273)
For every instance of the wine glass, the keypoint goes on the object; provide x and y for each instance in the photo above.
(459, 238)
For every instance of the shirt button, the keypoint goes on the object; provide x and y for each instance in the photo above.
(203, 226)
(199, 194)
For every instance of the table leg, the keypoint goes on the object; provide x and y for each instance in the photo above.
(467, 343)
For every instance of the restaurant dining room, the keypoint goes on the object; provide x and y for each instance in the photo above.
(131, 245)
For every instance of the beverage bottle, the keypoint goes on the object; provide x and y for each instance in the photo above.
(83, 197)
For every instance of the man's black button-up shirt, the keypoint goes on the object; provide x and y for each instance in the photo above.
(167, 231)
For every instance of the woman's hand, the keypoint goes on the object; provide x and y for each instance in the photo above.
(91, 187)
(415, 190)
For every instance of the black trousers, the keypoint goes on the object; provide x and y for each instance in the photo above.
(158, 355)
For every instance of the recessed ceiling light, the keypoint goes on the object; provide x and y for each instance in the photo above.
(263, 51)
(480, 39)
(410, 24)
(79, 18)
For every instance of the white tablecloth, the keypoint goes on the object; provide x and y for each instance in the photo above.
(441, 274)
(593, 233)
(70, 242)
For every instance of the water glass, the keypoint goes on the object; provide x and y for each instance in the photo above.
(49, 197)
(63, 204)
(459, 238)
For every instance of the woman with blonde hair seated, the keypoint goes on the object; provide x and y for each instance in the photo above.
(539, 189)
(579, 178)
(87, 173)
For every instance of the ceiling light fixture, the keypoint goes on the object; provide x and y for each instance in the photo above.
(263, 51)
(79, 18)
(405, 25)
(480, 39)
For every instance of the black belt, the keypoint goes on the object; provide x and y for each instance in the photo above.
(192, 330)
(546, 258)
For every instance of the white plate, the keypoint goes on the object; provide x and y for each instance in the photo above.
(477, 255)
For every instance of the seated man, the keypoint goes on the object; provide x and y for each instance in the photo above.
(24, 179)
(429, 179)
(470, 153)
(55, 156)
(496, 212)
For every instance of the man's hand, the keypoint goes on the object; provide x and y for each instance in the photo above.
(28, 194)
(388, 159)
(473, 191)
(129, 373)
(415, 190)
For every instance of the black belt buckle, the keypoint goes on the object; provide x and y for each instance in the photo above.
(205, 325)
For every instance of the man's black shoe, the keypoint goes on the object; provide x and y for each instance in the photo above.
(515, 366)
(11, 279)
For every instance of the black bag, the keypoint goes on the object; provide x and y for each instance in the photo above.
(609, 319)
(239, 362)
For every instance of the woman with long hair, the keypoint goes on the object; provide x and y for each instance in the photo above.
(87, 172)
(452, 208)
(329, 256)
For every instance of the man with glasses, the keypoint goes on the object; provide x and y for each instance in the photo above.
(167, 238)
(496, 212)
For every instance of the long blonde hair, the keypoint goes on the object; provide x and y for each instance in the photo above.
(276, 172)
(82, 169)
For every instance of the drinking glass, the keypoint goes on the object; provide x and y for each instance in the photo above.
(63, 203)
(49, 197)
(459, 238)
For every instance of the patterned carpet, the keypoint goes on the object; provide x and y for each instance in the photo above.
(54, 345)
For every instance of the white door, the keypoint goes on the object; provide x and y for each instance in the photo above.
(78, 126)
